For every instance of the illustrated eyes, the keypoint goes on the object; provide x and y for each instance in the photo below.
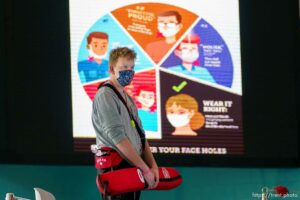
(170, 111)
(170, 24)
(181, 112)
(186, 50)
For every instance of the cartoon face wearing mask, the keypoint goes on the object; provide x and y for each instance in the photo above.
(188, 52)
(98, 48)
(178, 116)
(168, 26)
(169, 29)
(182, 113)
(146, 98)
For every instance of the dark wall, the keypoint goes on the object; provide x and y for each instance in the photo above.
(38, 86)
(35, 80)
(269, 62)
(2, 82)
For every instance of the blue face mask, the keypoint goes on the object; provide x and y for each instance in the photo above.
(125, 77)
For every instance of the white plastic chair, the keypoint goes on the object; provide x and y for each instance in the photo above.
(41, 194)
(11, 196)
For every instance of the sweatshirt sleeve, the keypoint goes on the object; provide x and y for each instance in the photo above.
(109, 116)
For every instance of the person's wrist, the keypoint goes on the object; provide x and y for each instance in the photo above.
(145, 170)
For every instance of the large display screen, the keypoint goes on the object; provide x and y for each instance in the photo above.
(187, 84)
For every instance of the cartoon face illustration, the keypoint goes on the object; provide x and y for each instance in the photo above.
(97, 44)
(169, 23)
(146, 97)
(179, 116)
(188, 50)
(182, 113)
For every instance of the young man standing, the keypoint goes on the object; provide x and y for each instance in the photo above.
(113, 124)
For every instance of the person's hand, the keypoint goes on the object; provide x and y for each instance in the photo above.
(149, 177)
(156, 176)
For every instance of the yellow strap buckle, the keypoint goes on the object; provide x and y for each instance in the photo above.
(132, 123)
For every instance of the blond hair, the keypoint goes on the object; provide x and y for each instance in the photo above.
(190, 103)
(116, 53)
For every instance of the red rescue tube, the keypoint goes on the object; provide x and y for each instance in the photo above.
(131, 179)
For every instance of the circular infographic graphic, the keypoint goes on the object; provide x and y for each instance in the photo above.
(184, 86)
